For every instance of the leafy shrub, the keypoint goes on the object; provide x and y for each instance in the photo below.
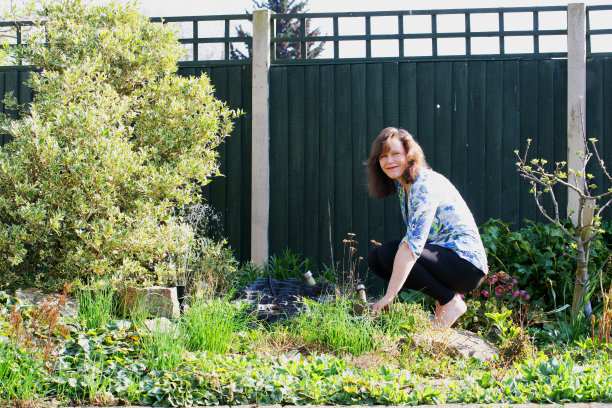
(540, 257)
(497, 294)
(112, 142)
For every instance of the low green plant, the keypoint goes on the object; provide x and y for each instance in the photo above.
(214, 265)
(513, 342)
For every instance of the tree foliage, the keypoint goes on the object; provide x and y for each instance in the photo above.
(585, 220)
(112, 142)
(284, 28)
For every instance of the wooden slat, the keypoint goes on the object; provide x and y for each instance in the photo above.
(295, 141)
(407, 84)
(545, 121)
(218, 191)
(343, 166)
(312, 233)
(375, 123)
(245, 217)
(510, 181)
(326, 164)
(279, 177)
(459, 128)
(443, 75)
(25, 92)
(605, 143)
(201, 71)
(361, 142)
(594, 128)
(475, 151)
(425, 109)
(233, 164)
(560, 125)
(393, 228)
(493, 141)
(529, 130)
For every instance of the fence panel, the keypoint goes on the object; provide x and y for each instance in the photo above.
(230, 194)
(469, 116)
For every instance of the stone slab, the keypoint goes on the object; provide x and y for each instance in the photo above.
(156, 301)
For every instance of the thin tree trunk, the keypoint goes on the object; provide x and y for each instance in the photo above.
(582, 277)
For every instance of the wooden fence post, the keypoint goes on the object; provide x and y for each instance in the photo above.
(260, 161)
(576, 95)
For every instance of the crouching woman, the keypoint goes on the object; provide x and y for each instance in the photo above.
(441, 254)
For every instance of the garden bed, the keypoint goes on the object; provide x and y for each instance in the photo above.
(216, 354)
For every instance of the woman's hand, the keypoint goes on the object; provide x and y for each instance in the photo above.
(382, 305)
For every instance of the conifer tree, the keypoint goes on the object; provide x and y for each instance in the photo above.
(284, 28)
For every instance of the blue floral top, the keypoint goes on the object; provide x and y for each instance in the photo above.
(436, 213)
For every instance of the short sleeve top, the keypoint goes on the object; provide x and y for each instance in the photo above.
(435, 212)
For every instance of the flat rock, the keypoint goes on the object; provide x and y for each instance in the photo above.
(456, 342)
(155, 301)
(37, 298)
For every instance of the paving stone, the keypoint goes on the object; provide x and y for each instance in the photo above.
(456, 342)
(37, 298)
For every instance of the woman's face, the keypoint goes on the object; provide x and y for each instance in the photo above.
(394, 159)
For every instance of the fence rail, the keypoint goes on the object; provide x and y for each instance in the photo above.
(434, 39)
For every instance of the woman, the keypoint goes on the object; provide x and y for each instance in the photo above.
(441, 254)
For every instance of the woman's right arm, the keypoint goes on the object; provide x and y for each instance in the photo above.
(402, 265)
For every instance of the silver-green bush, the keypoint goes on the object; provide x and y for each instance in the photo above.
(111, 143)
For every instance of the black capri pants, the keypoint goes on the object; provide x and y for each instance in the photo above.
(439, 272)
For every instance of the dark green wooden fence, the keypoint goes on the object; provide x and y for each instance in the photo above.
(469, 117)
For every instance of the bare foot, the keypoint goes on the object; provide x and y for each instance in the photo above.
(449, 313)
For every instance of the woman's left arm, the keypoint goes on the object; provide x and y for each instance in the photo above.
(402, 265)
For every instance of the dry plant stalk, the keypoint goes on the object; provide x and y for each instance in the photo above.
(605, 321)
(350, 260)
(41, 328)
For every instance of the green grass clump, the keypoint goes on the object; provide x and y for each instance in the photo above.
(21, 372)
(212, 324)
(331, 326)
(96, 306)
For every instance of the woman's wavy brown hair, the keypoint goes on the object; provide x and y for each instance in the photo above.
(381, 186)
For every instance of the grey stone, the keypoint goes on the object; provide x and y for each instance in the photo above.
(152, 301)
(37, 298)
(162, 325)
(456, 342)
